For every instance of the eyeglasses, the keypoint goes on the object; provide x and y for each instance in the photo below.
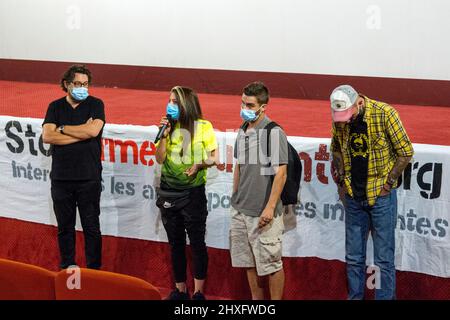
(79, 84)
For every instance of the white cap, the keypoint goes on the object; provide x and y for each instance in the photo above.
(342, 99)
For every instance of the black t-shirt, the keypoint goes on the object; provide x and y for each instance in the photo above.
(359, 153)
(80, 160)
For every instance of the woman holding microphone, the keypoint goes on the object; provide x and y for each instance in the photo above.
(187, 148)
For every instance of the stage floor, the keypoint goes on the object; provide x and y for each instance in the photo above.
(307, 118)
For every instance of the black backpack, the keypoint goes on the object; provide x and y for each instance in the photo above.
(289, 195)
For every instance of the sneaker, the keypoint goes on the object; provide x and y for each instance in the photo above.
(177, 295)
(198, 296)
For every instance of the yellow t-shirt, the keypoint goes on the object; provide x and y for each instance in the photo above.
(179, 159)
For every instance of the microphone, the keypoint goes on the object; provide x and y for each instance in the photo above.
(163, 128)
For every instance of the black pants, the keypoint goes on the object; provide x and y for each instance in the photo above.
(190, 219)
(67, 196)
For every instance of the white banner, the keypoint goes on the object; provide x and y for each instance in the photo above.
(130, 174)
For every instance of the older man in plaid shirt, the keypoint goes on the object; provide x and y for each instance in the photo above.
(370, 151)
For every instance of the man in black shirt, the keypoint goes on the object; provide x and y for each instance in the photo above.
(73, 126)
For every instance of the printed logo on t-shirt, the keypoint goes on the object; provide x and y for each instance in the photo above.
(358, 145)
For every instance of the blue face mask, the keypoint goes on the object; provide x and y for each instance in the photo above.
(250, 115)
(79, 94)
(173, 111)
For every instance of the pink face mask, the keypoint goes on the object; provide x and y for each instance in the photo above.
(342, 116)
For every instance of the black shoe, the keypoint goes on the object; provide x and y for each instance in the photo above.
(177, 295)
(198, 296)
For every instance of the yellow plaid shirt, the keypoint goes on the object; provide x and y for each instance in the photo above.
(387, 141)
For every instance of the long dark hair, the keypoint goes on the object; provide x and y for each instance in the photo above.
(190, 110)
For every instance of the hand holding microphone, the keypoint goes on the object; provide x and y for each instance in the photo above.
(173, 113)
(164, 128)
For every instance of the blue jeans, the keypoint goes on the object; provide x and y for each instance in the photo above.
(380, 219)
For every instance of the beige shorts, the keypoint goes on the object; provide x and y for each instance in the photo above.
(251, 246)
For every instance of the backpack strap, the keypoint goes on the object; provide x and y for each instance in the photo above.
(268, 128)
(243, 127)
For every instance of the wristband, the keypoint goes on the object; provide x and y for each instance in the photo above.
(390, 181)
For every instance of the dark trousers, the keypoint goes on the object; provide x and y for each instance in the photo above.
(190, 219)
(67, 196)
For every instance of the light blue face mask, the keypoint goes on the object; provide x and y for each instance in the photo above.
(173, 111)
(79, 94)
(250, 115)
